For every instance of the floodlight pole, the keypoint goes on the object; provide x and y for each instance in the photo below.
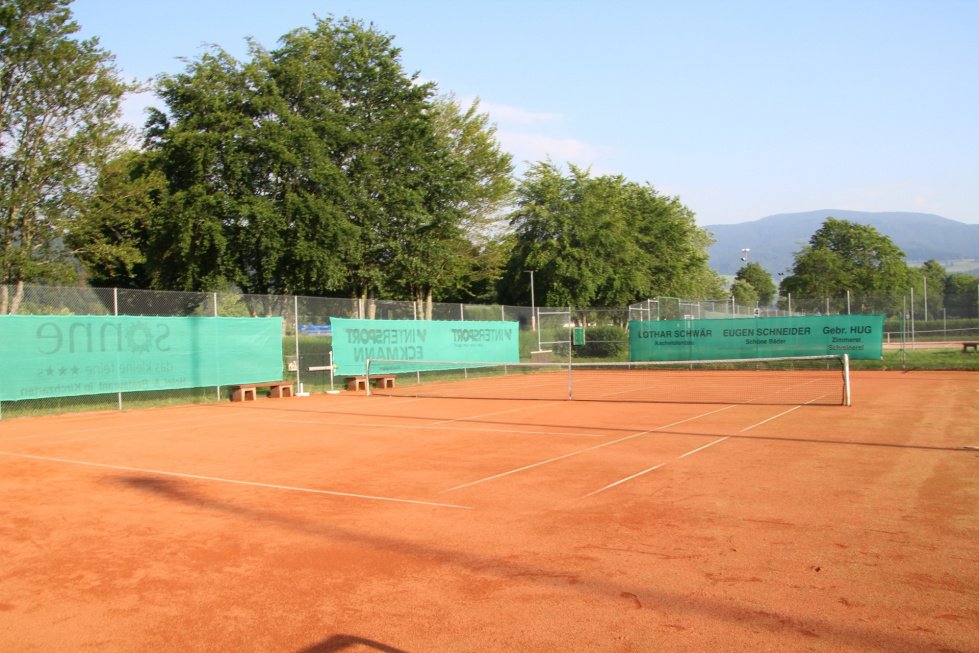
(744, 254)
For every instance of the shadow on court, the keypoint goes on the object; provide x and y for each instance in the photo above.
(341, 642)
(606, 430)
(648, 596)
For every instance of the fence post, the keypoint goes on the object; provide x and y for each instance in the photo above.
(295, 299)
(925, 279)
(115, 311)
(912, 317)
(217, 388)
(904, 328)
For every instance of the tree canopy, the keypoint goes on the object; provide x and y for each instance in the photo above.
(320, 167)
(844, 256)
(962, 294)
(602, 241)
(59, 105)
(755, 276)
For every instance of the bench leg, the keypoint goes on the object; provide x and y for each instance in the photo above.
(243, 394)
(354, 385)
(279, 391)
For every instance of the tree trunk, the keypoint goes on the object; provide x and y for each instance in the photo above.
(368, 306)
(8, 304)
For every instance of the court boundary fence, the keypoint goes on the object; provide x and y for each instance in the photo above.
(307, 352)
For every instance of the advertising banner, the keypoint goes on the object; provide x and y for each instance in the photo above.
(70, 355)
(356, 341)
(860, 336)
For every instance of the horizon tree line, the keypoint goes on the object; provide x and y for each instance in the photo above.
(323, 168)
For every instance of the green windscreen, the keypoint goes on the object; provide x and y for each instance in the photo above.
(356, 341)
(61, 356)
(860, 336)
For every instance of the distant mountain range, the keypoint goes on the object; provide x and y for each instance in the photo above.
(773, 240)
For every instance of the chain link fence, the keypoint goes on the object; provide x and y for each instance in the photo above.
(545, 333)
(306, 338)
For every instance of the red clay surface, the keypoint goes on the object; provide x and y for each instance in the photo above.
(344, 523)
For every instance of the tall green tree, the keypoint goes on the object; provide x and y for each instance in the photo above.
(759, 280)
(928, 282)
(318, 167)
(455, 248)
(604, 241)
(744, 293)
(59, 106)
(109, 236)
(844, 256)
(962, 295)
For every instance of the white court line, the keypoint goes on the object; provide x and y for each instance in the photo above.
(709, 444)
(141, 429)
(236, 482)
(575, 453)
(508, 431)
(127, 427)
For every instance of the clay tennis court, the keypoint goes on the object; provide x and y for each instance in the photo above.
(350, 523)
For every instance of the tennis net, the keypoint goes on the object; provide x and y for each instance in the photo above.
(822, 380)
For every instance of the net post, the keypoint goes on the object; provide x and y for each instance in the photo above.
(846, 379)
(570, 386)
(367, 377)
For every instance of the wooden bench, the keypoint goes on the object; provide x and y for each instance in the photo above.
(967, 345)
(384, 381)
(355, 383)
(246, 391)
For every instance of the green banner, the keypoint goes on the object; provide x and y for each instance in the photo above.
(860, 336)
(356, 341)
(70, 355)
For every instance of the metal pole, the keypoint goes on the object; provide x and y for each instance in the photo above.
(570, 386)
(115, 311)
(912, 317)
(904, 328)
(299, 386)
(214, 299)
(533, 309)
(537, 318)
(925, 279)
(847, 302)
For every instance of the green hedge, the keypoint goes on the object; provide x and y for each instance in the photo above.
(600, 342)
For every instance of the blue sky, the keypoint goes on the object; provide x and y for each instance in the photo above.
(743, 109)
